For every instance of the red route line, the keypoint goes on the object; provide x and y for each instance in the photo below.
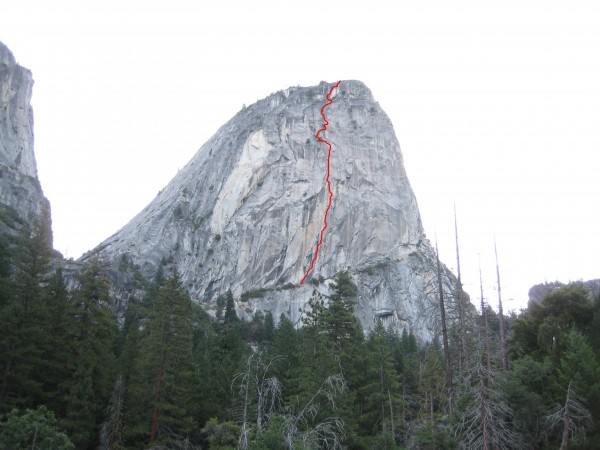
(325, 123)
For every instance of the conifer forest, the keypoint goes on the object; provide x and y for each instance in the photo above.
(170, 376)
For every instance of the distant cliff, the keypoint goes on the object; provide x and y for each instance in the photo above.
(22, 201)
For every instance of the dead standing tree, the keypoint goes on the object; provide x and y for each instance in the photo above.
(261, 402)
(486, 421)
(260, 395)
(571, 418)
(460, 298)
(486, 327)
(501, 315)
(444, 328)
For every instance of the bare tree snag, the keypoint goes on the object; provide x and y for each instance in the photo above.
(462, 329)
(501, 315)
(485, 324)
(444, 328)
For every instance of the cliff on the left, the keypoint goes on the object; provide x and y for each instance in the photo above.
(22, 202)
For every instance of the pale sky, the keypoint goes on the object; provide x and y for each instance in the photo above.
(496, 105)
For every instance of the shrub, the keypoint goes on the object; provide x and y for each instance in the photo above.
(256, 293)
(36, 428)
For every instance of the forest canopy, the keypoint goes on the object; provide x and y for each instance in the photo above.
(169, 375)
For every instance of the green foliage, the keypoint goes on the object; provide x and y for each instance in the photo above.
(169, 369)
(273, 437)
(230, 317)
(111, 432)
(6, 257)
(268, 329)
(550, 349)
(432, 383)
(286, 343)
(433, 436)
(527, 391)
(542, 329)
(92, 337)
(221, 435)
(36, 428)
(384, 441)
(57, 347)
(380, 391)
(344, 286)
(372, 270)
(256, 293)
(23, 320)
(593, 333)
(163, 374)
(222, 358)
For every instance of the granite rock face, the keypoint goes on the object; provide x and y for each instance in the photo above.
(20, 189)
(245, 213)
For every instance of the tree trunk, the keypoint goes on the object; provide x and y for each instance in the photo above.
(5, 376)
(484, 416)
(382, 393)
(431, 406)
(391, 415)
(486, 328)
(157, 397)
(501, 315)
(462, 327)
(154, 427)
(444, 328)
(564, 445)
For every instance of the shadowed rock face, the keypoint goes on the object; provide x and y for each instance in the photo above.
(20, 189)
(246, 211)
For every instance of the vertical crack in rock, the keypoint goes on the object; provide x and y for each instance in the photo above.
(251, 201)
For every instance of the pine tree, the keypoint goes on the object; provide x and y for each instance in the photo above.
(382, 390)
(6, 260)
(286, 343)
(431, 384)
(164, 373)
(23, 323)
(316, 358)
(225, 356)
(60, 321)
(203, 336)
(340, 324)
(111, 432)
(580, 366)
(268, 329)
(92, 368)
(230, 316)
(337, 344)
(407, 362)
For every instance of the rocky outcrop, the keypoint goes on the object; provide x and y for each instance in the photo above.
(245, 213)
(21, 198)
